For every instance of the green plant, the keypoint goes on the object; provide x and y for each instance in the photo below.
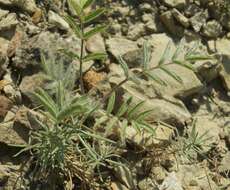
(195, 141)
(64, 143)
(55, 72)
(79, 29)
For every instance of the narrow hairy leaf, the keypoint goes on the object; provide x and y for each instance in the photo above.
(146, 127)
(186, 65)
(146, 55)
(142, 116)
(74, 26)
(111, 103)
(77, 8)
(88, 3)
(44, 64)
(198, 57)
(172, 74)
(94, 31)
(133, 110)
(123, 108)
(165, 55)
(46, 101)
(90, 150)
(155, 78)
(93, 15)
(60, 95)
(124, 66)
(94, 56)
(178, 50)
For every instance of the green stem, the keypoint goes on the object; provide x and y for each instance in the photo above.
(81, 60)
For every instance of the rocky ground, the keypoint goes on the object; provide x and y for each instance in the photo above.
(28, 28)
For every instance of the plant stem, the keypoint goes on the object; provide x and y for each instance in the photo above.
(81, 60)
(114, 89)
(127, 78)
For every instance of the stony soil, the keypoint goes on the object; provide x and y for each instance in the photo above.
(29, 28)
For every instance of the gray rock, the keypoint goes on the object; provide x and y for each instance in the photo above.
(224, 165)
(30, 83)
(26, 5)
(58, 21)
(136, 31)
(190, 85)
(198, 20)
(9, 22)
(184, 21)
(171, 182)
(134, 58)
(175, 3)
(3, 13)
(208, 70)
(95, 44)
(159, 42)
(169, 22)
(4, 174)
(168, 110)
(5, 105)
(28, 54)
(119, 46)
(222, 46)
(13, 135)
(212, 29)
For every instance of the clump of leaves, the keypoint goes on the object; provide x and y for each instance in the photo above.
(78, 26)
(64, 143)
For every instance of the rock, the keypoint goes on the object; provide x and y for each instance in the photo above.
(5, 106)
(171, 182)
(208, 70)
(3, 46)
(136, 31)
(133, 58)
(193, 175)
(9, 22)
(13, 135)
(189, 86)
(184, 21)
(151, 23)
(224, 165)
(162, 135)
(198, 20)
(169, 110)
(169, 22)
(4, 175)
(14, 43)
(212, 29)
(206, 125)
(30, 83)
(191, 9)
(159, 173)
(159, 42)
(28, 118)
(145, 184)
(37, 16)
(3, 13)
(175, 3)
(27, 5)
(95, 44)
(222, 46)
(118, 186)
(58, 21)
(119, 46)
(124, 175)
(28, 54)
